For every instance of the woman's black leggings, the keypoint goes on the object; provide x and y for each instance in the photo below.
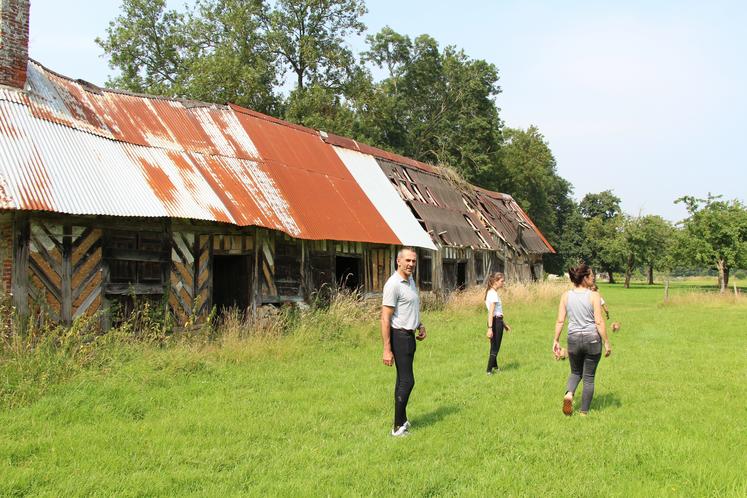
(495, 343)
(403, 348)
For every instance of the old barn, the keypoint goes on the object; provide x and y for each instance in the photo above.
(106, 194)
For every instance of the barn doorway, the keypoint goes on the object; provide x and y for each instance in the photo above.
(348, 272)
(231, 282)
(461, 275)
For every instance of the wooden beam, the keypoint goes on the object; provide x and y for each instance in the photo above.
(66, 280)
(19, 278)
(126, 289)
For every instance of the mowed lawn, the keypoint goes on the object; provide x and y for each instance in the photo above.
(300, 416)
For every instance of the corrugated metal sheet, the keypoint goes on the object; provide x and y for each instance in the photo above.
(377, 187)
(74, 148)
(329, 202)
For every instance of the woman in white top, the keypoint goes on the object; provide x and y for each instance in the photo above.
(496, 324)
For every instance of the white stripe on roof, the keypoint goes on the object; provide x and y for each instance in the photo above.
(381, 193)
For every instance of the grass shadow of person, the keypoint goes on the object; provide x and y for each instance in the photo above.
(511, 365)
(435, 416)
(605, 401)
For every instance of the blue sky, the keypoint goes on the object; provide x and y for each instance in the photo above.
(645, 98)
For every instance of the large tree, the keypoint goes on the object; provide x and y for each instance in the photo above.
(603, 243)
(657, 241)
(434, 105)
(146, 45)
(310, 38)
(715, 234)
(215, 52)
(529, 173)
(646, 242)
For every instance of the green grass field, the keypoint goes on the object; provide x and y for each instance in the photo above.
(303, 416)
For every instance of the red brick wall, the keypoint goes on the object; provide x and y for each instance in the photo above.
(14, 42)
(6, 252)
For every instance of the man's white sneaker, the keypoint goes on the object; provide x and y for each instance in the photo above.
(407, 425)
(400, 431)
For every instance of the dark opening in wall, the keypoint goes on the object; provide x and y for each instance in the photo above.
(461, 275)
(449, 275)
(288, 267)
(425, 272)
(231, 282)
(348, 272)
(479, 268)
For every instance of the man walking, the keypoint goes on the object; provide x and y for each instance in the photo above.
(400, 319)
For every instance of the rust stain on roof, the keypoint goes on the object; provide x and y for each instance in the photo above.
(159, 181)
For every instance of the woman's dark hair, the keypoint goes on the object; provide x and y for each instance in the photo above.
(579, 273)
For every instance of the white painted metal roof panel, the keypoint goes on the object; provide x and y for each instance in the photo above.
(386, 200)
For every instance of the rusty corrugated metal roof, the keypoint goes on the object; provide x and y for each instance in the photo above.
(71, 147)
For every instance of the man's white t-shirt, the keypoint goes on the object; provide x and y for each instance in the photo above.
(402, 295)
(493, 297)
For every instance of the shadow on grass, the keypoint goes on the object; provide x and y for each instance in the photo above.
(605, 401)
(435, 416)
(511, 365)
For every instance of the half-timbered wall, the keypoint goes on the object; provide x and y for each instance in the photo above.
(63, 269)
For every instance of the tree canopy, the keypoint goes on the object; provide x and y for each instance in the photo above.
(715, 234)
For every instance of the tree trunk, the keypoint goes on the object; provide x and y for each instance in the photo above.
(720, 266)
(726, 277)
(650, 274)
(611, 277)
(628, 271)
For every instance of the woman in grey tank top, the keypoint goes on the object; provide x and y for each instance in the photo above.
(587, 333)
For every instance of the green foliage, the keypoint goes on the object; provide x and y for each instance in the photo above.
(530, 175)
(309, 38)
(604, 205)
(215, 52)
(146, 44)
(715, 234)
(647, 240)
(603, 245)
(437, 106)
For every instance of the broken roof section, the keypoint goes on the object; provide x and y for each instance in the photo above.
(453, 212)
(71, 147)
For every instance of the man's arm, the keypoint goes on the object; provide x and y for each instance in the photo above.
(386, 336)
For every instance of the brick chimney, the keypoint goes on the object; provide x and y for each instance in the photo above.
(14, 42)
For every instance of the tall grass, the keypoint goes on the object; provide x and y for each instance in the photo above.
(518, 293)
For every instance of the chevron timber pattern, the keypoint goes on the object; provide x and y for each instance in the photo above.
(190, 275)
(64, 270)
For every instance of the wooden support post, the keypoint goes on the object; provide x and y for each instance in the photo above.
(20, 276)
(66, 279)
(255, 283)
(666, 290)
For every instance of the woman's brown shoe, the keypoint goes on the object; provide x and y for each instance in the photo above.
(567, 405)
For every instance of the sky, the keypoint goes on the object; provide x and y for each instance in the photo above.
(644, 98)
